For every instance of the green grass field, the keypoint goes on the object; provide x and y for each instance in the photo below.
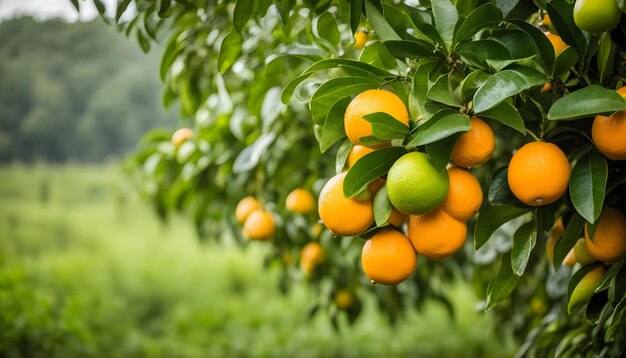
(86, 269)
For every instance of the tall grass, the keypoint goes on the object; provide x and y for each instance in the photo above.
(86, 269)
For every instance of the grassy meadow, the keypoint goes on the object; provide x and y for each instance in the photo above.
(87, 269)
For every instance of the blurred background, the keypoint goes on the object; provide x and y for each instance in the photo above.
(88, 269)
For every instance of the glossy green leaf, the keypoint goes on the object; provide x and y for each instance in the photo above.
(490, 218)
(230, 50)
(439, 152)
(250, 156)
(574, 281)
(386, 127)
(76, 5)
(446, 17)
(327, 28)
(568, 240)
(505, 84)
(503, 284)
(483, 16)
(587, 185)
(499, 191)
(478, 52)
(335, 89)
(356, 7)
(562, 16)
(564, 63)
(413, 48)
(383, 30)
(508, 115)
(587, 102)
(606, 58)
(382, 207)
(543, 44)
(333, 129)
(423, 22)
(436, 129)
(241, 14)
(524, 241)
(370, 167)
(342, 155)
(122, 5)
(440, 92)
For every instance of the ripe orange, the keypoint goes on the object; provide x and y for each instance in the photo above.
(609, 240)
(609, 133)
(368, 102)
(180, 136)
(546, 20)
(464, 195)
(343, 216)
(357, 152)
(547, 87)
(557, 42)
(259, 225)
(388, 257)
(475, 146)
(396, 218)
(360, 39)
(539, 173)
(311, 256)
(436, 235)
(245, 207)
(344, 299)
(300, 201)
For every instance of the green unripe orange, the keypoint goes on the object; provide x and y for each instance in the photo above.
(596, 16)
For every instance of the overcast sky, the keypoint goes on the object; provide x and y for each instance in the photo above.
(45, 9)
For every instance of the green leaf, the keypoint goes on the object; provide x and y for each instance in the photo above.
(524, 241)
(483, 16)
(440, 92)
(382, 207)
(503, 284)
(99, 6)
(242, 13)
(519, 43)
(478, 52)
(508, 115)
(417, 99)
(413, 48)
(230, 50)
(587, 185)
(327, 29)
(587, 102)
(165, 6)
(562, 17)
(76, 5)
(335, 89)
(505, 84)
(386, 127)
(564, 63)
(356, 7)
(439, 152)
(499, 190)
(383, 30)
(423, 21)
(568, 240)
(250, 156)
(574, 281)
(371, 141)
(342, 155)
(333, 126)
(370, 167)
(506, 6)
(490, 218)
(543, 44)
(169, 56)
(327, 64)
(439, 127)
(143, 41)
(446, 17)
(262, 6)
(606, 57)
(122, 5)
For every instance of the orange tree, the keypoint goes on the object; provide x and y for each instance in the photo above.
(407, 106)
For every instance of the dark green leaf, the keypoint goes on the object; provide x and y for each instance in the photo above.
(386, 127)
(423, 21)
(99, 6)
(383, 30)
(499, 191)
(446, 17)
(587, 185)
(440, 92)
(262, 6)
(370, 167)
(562, 16)
(356, 7)
(342, 155)
(564, 63)
(326, 28)
(482, 17)
(568, 240)
(417, 99)
(241, 14)
(490, 218)
(230, 50)
(439, 152)
(122, 5)
(382, 207)
(505, 84)
(76, 5)
(335, 89)
(143, 41)
(575, 280)
(478, 52)
(503, 284)
(587, 102)
(333, 126)
(508, 115)
(606, 57)
(519, 43)
(506, 6)
(435, 129)
(543, 44)
(524, 241)
(405, 48)
(165, 6)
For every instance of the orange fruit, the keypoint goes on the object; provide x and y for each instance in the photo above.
(464, 195)
(245, 207)
(539, 173)
(570, 258)
(557, 42)
(344, 299)
(360, 39)
(180, 136)
(609, 133)
(343, 216)
(397, 218)
(368, 102)
(388, 257)
(547, 87)
(259, 225)
(357, 152)
(609, 240)
(436, 235)
(475, 146)
(311, 256)
(546, 20)
(300, 201)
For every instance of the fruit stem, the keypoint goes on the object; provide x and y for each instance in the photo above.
(528, 131)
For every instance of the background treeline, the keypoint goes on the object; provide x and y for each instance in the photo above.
(75, 91)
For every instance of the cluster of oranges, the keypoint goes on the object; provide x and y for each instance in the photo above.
(258, 223)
